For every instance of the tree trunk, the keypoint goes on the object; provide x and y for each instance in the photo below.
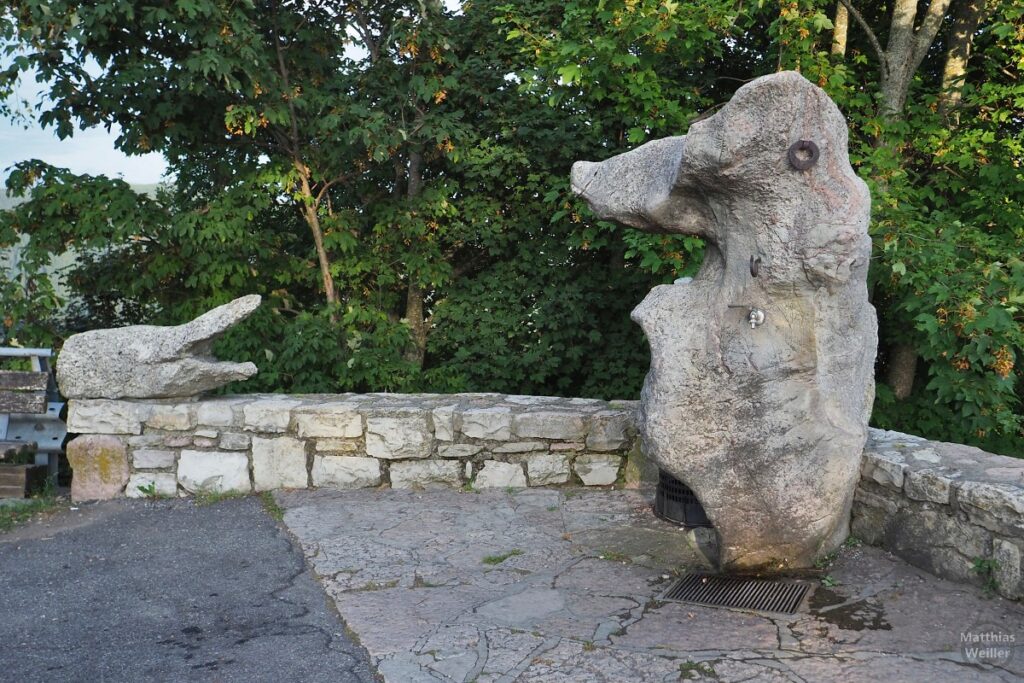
(417, 351)
(907, 47)
(399, 168)
(902, 367)
(841, 26)
(310, 204)
(312, 215)
(908, 44)
(969, 15)
(414, 309)
(415, 182)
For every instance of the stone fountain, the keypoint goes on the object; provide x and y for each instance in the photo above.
(761, 378)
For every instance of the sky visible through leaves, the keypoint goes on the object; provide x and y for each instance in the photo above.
(91, 151)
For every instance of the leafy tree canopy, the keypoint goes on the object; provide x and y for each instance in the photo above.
(392, 177)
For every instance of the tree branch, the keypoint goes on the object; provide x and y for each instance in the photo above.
(928, 30)
(282, 140)
(328, 185)
(883, 61)
(366, 33)
(288, 95)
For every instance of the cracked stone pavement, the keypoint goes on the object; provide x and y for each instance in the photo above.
(563, 585)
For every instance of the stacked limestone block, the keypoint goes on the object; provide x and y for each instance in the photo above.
(953, 510)
(266, 442)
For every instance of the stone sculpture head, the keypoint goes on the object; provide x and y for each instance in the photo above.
(765, 424)
(149, 361)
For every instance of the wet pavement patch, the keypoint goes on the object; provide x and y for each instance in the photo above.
(855, 615)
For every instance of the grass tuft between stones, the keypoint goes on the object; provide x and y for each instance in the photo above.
(614, 556)
(377, 585)
(149, 491)
(696, 670)
(498, 559)
(275, 511)
(986, 569)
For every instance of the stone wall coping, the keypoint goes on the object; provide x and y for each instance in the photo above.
(920, 468)
(127, 416)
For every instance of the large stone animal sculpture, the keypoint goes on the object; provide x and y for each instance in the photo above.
(761, 377)
(146, 361)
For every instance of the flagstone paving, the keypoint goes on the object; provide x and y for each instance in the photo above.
(563, 585)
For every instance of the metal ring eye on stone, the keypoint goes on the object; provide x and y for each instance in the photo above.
(803, 154)
(755, 265)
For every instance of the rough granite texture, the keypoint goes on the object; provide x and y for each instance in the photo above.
(766, 425)
(146, 361)
(939, 506)
(565, 585)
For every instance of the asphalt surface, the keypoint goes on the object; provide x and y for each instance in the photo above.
(166, 591)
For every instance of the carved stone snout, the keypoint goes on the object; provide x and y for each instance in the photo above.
(147, 361)
(644, 188)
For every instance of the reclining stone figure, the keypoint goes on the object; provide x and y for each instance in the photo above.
(147, 361)
(761, 378)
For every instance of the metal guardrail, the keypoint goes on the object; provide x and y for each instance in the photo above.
(45, 429)
(15, 352)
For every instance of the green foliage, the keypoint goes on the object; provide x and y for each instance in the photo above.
(513, 329)
(825, 561)
(148, 490)
(311, 353)
(696, 670)
(986, 569)
(614, 556)
(41, 504)
(499, 558)
(275, 511)
(419, 159)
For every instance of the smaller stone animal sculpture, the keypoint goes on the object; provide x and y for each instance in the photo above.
(147, 361)
(761, 379)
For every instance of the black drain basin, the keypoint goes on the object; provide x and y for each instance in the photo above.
(675, 502)
(759, 595)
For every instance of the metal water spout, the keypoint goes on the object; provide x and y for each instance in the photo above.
(755, 318)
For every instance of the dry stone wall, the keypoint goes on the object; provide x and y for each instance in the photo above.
(261, 443)
(953, 510)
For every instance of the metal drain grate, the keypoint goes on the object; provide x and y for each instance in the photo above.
(782, 597)
(677, 503)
